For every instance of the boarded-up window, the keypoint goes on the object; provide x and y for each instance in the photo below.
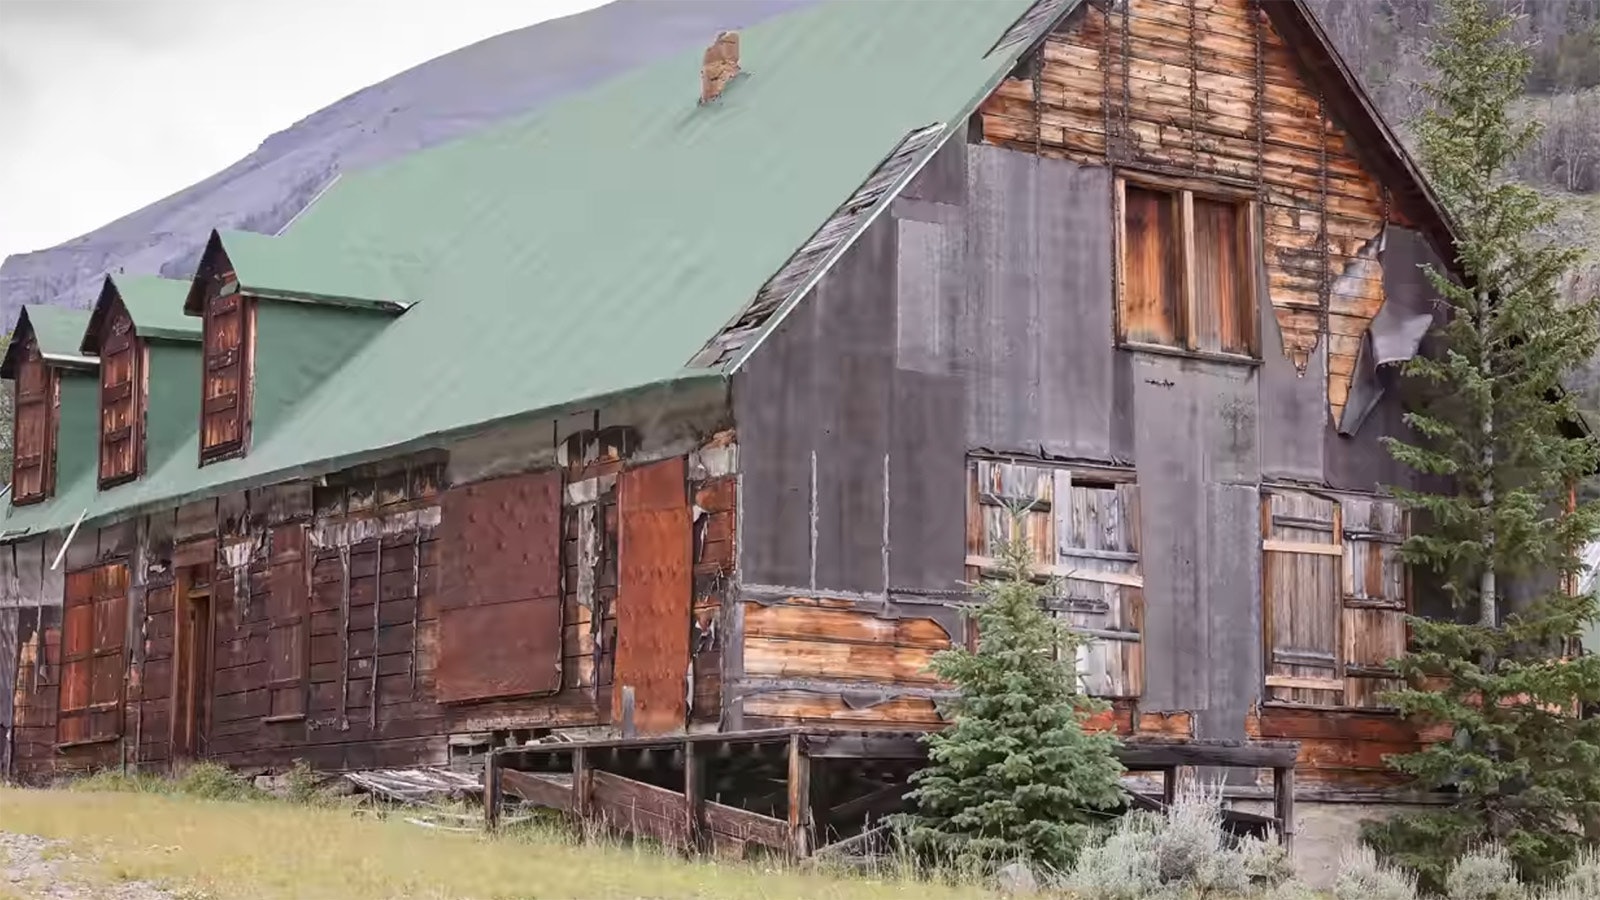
(500, 600)
(655, 591)
(94, 622)
(1186, 271)
(225, 402)
(288, 634)
(1082, 528)
(1334, 597)
(122, 393)
(34, 428)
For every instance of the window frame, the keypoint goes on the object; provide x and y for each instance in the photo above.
(49, 402)
(138, 386)
(1185, 192)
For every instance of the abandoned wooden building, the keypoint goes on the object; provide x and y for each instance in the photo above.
(702, 396)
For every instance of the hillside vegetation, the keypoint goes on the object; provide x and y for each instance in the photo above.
(1383, 42)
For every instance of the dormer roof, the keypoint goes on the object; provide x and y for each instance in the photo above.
(59, 331)
(155, 304)
(277, 268)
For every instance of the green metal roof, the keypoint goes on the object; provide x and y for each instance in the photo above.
(589, 250)
(155, 304)
(373, 276)
(58, 329)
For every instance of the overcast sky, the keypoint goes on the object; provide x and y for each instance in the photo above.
(108, 105)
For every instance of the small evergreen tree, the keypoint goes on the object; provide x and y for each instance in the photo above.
(1015, 776)
(1494, 422)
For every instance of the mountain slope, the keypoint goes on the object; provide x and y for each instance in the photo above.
(455, 94)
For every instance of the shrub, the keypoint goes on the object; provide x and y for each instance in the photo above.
(1123, 866)
(113, 781)
(303, 784)
(1483, 874)
(1185, 852)
(1583, 879)
(1363, 877)
(211, 781)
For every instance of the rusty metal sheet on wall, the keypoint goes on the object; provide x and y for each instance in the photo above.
(500, 601)
(655, 586)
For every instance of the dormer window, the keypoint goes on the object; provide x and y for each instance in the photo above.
(227, 316)
(223, 415)
(122, 401)
(34, 426)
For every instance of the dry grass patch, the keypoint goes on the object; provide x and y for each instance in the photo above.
(276, 850)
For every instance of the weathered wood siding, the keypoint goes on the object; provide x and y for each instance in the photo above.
(1209, 89)
(977, 324)
(332, 638)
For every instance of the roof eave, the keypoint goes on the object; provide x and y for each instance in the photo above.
(71, 361)
(684, 379)
(172, 335)
(261, 292)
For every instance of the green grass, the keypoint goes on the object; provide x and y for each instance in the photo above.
(223, 849)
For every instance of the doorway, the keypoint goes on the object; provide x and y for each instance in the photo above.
(191, 695)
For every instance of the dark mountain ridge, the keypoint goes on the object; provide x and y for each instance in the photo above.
(519, 71)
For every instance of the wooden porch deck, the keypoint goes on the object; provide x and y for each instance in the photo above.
(790, 791)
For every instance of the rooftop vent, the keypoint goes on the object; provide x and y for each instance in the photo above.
(720, 65)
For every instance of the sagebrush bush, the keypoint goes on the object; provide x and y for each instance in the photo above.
(1184, 852)
(1583, 879)
(1123, 866)
(1363, 877)
(1483, 874)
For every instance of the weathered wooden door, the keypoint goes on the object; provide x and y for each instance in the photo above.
(654, 591)
(191, 695)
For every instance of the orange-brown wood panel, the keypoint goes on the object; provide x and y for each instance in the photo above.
(842, 626)
(225, 397)
(824, 706)
(1152, 308)
(1223, 320)
(121, 399)
(654, 591)
(95, 617)
(33, 427)
(1343, 748)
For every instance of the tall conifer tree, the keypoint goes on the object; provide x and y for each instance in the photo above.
(1495, 422)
